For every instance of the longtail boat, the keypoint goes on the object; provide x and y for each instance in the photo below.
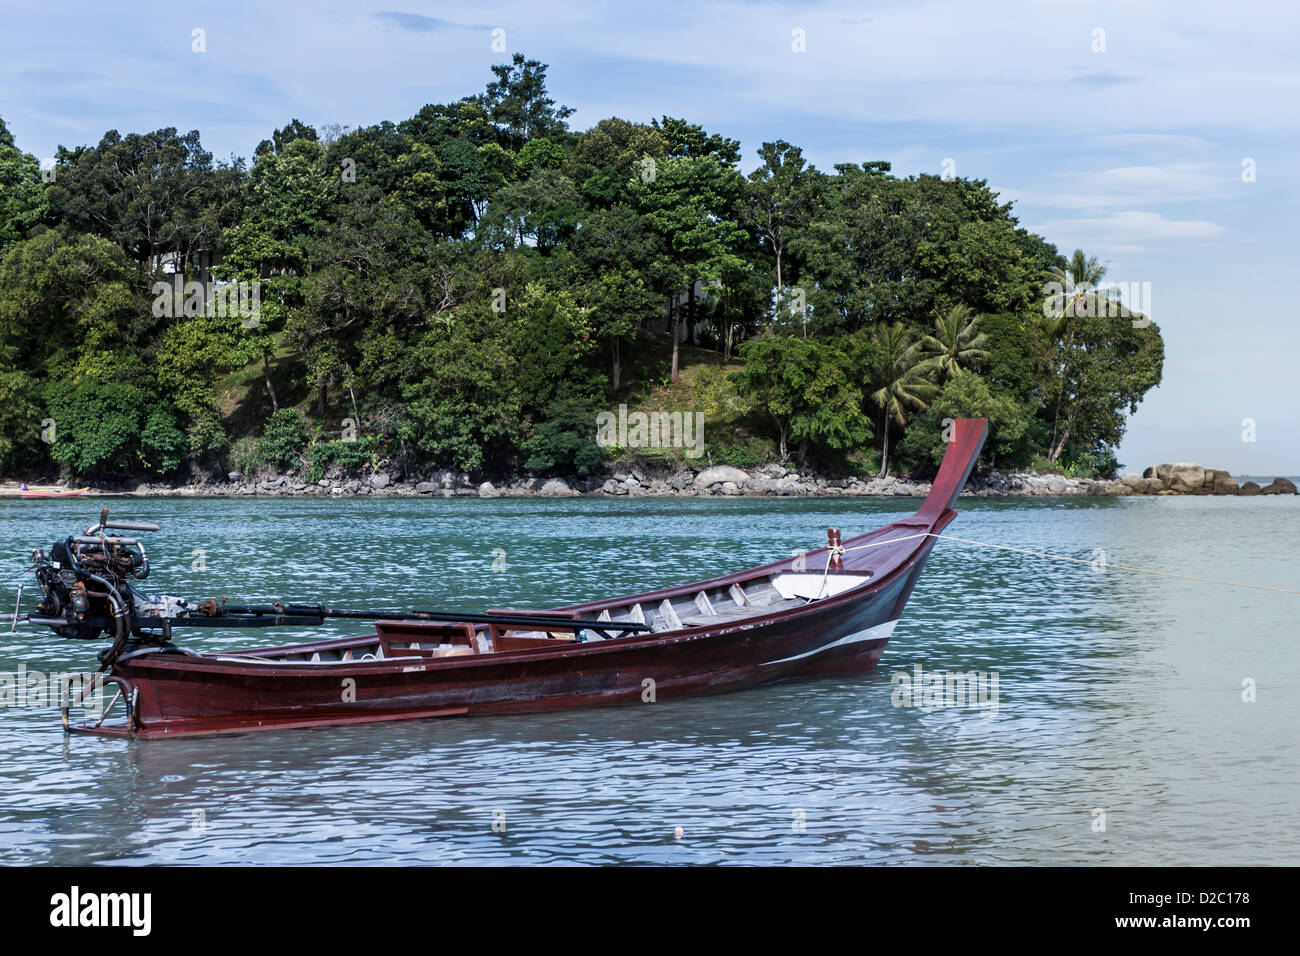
(53, 493)
(830, 610)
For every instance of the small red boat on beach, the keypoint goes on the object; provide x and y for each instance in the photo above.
(831, 610)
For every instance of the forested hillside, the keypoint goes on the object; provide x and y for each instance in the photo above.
(472, 286)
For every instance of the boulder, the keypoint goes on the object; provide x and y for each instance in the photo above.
(556, 488)
(488, 490)
(426, 487)
(1056, 485)
(380, 481)
(1279, 486)
(1219, 482)
(679, 481)
(235, 477)
(1249, 489)
(1184, 477)
(719, 474)
(1132, 480)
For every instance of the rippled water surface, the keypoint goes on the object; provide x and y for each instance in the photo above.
(1120, 696)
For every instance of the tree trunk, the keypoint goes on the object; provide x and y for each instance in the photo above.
(616, 367)
(781, 430)
(1054, 452)
(690, 314)
(780, 288)
(320, 399)
(676, 316)
(270, 389)
(884, 451)
(1052, 448)
(726, 327)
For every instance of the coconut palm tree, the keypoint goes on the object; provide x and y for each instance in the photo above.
(957, 343)
(900, 381)
(1077, 295)
(1078, 298)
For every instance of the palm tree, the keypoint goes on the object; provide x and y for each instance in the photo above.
(1078, 298)
(956, 344)
(900, 381)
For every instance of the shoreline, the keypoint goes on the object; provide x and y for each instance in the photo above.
(768, 481)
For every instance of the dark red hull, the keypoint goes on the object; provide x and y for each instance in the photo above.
(275, 688)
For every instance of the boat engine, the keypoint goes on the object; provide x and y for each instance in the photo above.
(86, 584)
(88, 589)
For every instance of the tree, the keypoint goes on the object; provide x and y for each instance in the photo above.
(957, 344)
(467, 414)
(22, 192)
(781, 200)
(807, 388)
(519, 106)
(608, 158)
(1073, 301)
(965, 396)
(613, 264)
(543, 208)
(152, 194)
(898, 381)
(1105, 369)
(1073, 292)
(281, 138)
(685, 140)
(689, 204)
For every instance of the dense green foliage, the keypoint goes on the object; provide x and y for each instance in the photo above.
(470, 287)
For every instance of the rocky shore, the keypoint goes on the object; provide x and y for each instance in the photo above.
(720, 480)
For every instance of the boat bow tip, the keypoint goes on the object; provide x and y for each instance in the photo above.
(968, 435)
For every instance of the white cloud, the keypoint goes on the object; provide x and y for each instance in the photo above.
(1125, 230)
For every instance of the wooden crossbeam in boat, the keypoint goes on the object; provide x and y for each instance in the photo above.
(738, 595)
(669, 617)
(704, 604)
(636, 615)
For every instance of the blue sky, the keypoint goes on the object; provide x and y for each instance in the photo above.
(1133, 152)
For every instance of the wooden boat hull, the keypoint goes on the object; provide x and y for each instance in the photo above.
(181, 695)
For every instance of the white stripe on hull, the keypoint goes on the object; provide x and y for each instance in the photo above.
(876, 633)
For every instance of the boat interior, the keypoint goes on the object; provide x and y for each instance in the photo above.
(711, 605)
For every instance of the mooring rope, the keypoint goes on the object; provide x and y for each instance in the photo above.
(841, 550)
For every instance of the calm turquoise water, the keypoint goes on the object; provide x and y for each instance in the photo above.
(1118, 693)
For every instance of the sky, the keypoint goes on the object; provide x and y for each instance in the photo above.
(1160, 137)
